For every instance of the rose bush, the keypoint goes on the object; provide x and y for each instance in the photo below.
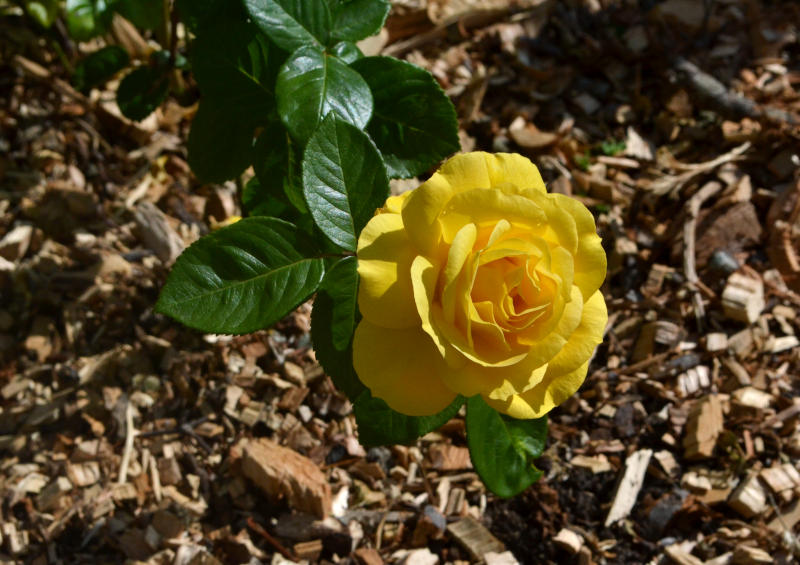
(479, 282)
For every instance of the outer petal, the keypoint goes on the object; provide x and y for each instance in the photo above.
(461, 173)
(542, 398)
(485, 206)
(590, 258)
(585, 338)
(514, 169)
(402, 367)
(385, 294)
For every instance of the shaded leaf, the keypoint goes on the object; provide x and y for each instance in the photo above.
(96, 68)
(380, 425)
(220, 146)
(277, 168)
(333, 320)
(141, 92)
(413, 123)
(502, 449)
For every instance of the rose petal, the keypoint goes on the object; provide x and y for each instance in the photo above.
(462, 173)
(542, 398)
(385, 294)
(485, 206)
(402, 367)
(590, 259)
(584, 339)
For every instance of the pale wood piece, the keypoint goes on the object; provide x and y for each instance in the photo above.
(283, 473)
(630, 485)
(743, 298)
(703, 427)
(746, 555)
(751, 397)
(475, 538)
(596, 463)
(749, 499)
(156, 232)
(782, 480)
(716, 341)
(680, 556)
(568, 540)
(504, 558)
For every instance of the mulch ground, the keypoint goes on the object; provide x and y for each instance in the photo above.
(126, 437)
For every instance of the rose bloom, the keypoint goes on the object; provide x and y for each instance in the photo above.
(479, 282)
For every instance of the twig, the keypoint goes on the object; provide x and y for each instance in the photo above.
(673, 183)
(186, 428)
(459, 26)
(155, 478)
(689, 234)
(729, 104)
(130, 435)
(270, 540)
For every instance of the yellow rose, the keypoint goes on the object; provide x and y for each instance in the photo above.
(479, 282)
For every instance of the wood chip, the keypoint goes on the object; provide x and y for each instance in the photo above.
(568, 540)
(157, 233)
(749, 499)
(596, 463)
(630, 485)
(783, 480)
(680, 556)
(703, 427)
(283, 473)
(367, 556)
(448, 457)
(475, 538)
(743, 298)
(716, 341)
(751, 397)
(746, 555)
(504, 558)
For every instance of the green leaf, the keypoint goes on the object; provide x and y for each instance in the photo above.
(277, 167)
(346, 51)
(257, 201)
(44, 12)
(503, 448)
(88, 18)
(233, 63)
(220, 146)
(242, 278)
(234, 67)
(312, 84)
(292, 24)
(98, 67)
(333, 320)
(344, 180)
(145, 14)
(413, 123)
(380, 425)
(341, 285)
(356, 19)
(141, 92)
(194, 13)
